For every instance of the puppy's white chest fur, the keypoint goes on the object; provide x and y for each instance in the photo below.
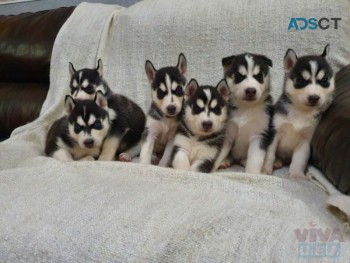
(249, 123)
(163, 130)
(292, 129)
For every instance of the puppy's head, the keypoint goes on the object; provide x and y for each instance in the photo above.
(85, 83)
(168, 86)
(309, 79)
(205, 109)
(88, 121)
(247, 76)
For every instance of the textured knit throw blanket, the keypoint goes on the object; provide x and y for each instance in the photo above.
(52, 211)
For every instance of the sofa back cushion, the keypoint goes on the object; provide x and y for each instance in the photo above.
(26, 42)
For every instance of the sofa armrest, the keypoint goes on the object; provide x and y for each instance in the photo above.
(331, 142)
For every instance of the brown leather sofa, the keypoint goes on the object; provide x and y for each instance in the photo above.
(26, 43)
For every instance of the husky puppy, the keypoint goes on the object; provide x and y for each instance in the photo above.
(79, 134)
(84, 83)
(307, 93)
(201, 134)
(167, 90)
(248, 130)
(127, 118)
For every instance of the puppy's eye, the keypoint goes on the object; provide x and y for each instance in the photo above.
(161, 94)
(238, 77)
(300, 81)
(179, 91)
(259, 77)
(217, 110)
(89, 89)
(324, 81)
(77, 128)
(97, 125)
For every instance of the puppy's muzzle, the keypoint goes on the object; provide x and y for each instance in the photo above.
(89, 143)
(313, 100)
(250, 93)
(207, 125)
(171, 109)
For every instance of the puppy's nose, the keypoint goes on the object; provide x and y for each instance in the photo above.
(171, 109)
(250, 92)
(207, 125)
(89, 143)
(313, 99)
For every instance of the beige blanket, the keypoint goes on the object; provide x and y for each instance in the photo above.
(116, 212)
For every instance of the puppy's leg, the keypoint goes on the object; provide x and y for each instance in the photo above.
(130, 153)
(164, 162)
(62, 155)
(300, 158)
(270, 156)
(87, 158)
(109, 148)
(255, 156)
(147, 149)
(181, 160)
(204, 166)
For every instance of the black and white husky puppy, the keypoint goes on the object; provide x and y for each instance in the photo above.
(127, 118)
(79, 134)
(248, 130)
(167, 90)
(85, 83)
(307, 93)
(201, 134)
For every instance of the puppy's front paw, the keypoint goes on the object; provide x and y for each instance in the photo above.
(267, 170)
(277, 164)
(104, 157)
(124, 157)
(87, 158)
(297, 176)
(225, 164)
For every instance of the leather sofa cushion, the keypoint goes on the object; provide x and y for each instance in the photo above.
(20, 104)
(26, 42)
(331, 142)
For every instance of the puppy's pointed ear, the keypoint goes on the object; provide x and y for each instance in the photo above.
(191, 89)
(99, 67)
(69, 104)
(223, 89)
(150, 71)
(325, 51)
(71, 69)
(289, 60)
(226, 62)
(182, 64)
(101, 100)
(266, 60)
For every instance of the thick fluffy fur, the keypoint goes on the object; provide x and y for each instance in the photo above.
(201, 134)
(80, 134)
(249, 129)
(167, 90)
(307, 93)
(127, 118)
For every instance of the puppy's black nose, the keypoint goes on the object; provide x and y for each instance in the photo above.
(171, 109)
(250, 92)
(89, 143)
(207, 125)
(313, 99)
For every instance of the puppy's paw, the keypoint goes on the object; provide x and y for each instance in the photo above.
(297, 176)
(267, 170)
(87, 158)
(225, 164)
(124, 157)
(277, 164)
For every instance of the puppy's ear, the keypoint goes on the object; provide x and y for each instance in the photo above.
(289, 60)
(266, 60)
(69, 104)
(99, 67)
(101, 100)
(191, 89)
(71, 69)
(223, 89)
(226, 62)
(150, 71)
(325, 51)
(182, 64)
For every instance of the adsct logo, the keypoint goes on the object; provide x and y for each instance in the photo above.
(302, 23)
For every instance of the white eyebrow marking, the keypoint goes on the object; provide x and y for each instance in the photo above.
(306, 75)
(174, 85)
(80, 121)
(200, 103)
(92, 119)
(162, 87)
(85, 83)
(75, 83)
(256, 70)
(321, 74)
(213, 103)
(242, 70)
